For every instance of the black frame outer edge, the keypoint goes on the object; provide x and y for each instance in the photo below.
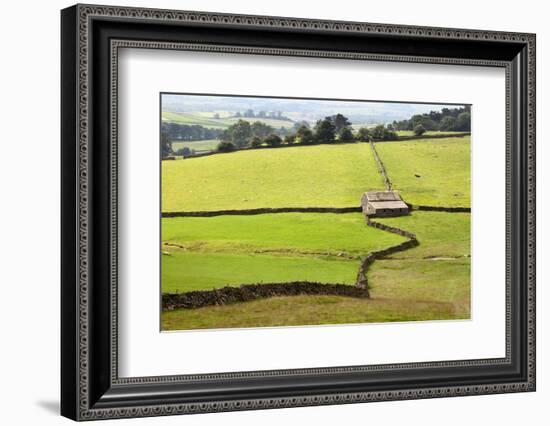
(105, 395)
(69, 313)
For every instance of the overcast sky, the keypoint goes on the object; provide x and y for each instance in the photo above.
(309, 109)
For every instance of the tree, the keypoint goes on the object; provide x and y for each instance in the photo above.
(463, 122)
(325, 131)
(447, 123)
(419, 130)
(249, 113)
(216, 116)
(346, 135)
(363, 134)
(255, 142)
(299, 124)
(290, 139)
(238, 134)
(381, 133)
(273, 140)
(225, 146)
(185, 151)
(305, 135)
(340, 122)
(165, 145)
(260, 129)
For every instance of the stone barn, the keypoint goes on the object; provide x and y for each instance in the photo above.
(383, 204)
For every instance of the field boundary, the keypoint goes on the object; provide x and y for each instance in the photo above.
(362, 279)
(440, 209)
(381, 167)
(414, 137)
(265, 210)
(248, 292)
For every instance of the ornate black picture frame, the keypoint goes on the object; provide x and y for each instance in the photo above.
(91, 36)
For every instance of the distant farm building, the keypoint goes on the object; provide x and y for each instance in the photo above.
(383, 203)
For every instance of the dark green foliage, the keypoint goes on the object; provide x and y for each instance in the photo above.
(419, 130)
(381, 133)
(305, 135)
(184, 132)
(165, 145)
(185, 151)
(447, 123)
(446, 120)
(363, 134)
(325, 131)
(273, 140)
(225, 146)
(260, 129)
(346, 135)
(463, 122)
(299, 124)
(340, 122)
(255, 142)
(238, 134)
(290, 139)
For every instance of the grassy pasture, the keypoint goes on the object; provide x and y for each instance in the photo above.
(194, 119)
(204, 145)
(203, 253)
(301, 176)
(318, 233)
(430, 282)
(440, 234)
(407, 291)
(191, 271)
(429, 172)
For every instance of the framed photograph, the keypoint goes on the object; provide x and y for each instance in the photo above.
(263, 212)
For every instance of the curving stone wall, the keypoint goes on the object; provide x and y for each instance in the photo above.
(362, 280)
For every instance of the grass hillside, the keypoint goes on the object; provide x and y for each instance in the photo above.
(301, 176)
(429, 282)
(209, 121)
(204, 253)
(204, 145)
(429, 172)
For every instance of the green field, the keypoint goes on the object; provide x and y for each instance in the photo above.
(429, 282)
(204, 145)
(429, 172)
(441, 235)
(203, 253)
(207, 120)
(301, 176)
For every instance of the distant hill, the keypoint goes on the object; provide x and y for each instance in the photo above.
(208, 120)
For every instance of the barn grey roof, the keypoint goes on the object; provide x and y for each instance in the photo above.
(382, 196)
(388, 204)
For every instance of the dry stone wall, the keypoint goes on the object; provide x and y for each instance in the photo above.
(248, 292)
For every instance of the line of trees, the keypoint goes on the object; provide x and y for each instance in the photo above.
(249, 113)
(448, 119)
(332, 129)
(186, 132)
